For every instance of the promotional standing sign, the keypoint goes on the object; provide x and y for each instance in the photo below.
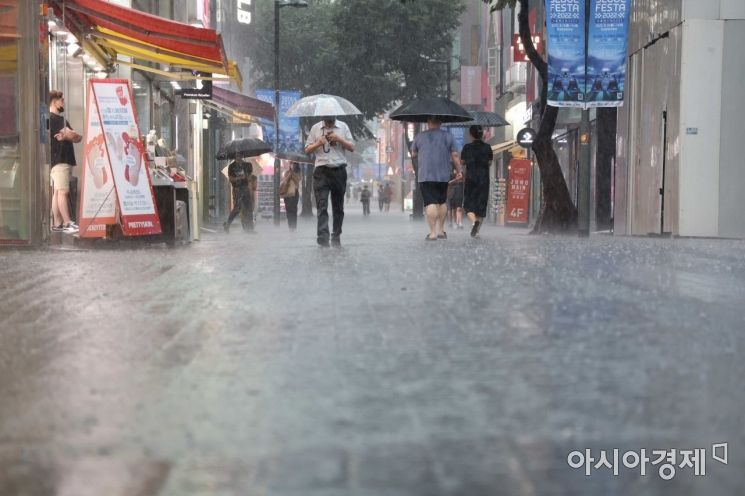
(587, 52)
(98, 196)
(126, 154)
(518, 191)
(289, 127)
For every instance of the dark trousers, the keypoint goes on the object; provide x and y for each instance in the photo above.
(242, 204)
(365, 208)
(331, 180)
(291, 209)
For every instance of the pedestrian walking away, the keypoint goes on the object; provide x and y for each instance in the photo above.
(239, 174)
(365, 199)
(381, 197)
(329, 139)
(477, 157)
(62, 161)
(436, 153)
(289, 189)
(387, 197)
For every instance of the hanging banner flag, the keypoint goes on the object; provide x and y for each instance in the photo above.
(518, 191)
(606, 57)
(289, 127)
(565, 26)
(587, 52)
(98, 196)
(113, 98)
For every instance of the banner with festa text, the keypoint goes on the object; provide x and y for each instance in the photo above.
(139, 215)
(98, 196)
(518, 191)
(565, 29)
(289, 127)
(606, 54)
(587, 52)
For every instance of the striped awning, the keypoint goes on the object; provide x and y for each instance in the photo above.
(113, 34)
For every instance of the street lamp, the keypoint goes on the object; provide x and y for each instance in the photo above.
(278, 4)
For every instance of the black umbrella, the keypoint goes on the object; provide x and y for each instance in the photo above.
(420, 110)
(483, 119)
(245, 147)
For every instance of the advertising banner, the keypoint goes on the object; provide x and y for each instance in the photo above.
(518, 191)
(98, 196)
(606, 57)
(587, 52)
(289, 127)
(565, 26)
(113, 98)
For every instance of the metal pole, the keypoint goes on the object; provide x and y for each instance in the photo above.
(276, 113)
(449, 71)
(583, 196)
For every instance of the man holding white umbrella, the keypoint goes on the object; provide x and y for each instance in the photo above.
(329, 140)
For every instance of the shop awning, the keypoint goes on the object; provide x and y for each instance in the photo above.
(501, 147)
(109, 32)
(242, 104)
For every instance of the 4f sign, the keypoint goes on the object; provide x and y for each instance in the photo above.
(245, 8)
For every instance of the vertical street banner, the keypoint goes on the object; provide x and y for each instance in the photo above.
(587, 52)
(98, 196)
(289, 127)
(518, 191)
(565, 27)
(606, 53)
(126, 154)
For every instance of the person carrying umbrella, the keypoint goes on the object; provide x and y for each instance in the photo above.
(435, 150)
(329, 140)
(477, 156)
(239, 174)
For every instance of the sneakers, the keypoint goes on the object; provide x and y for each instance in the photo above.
(58, 228)
(70, 228)
(475, 229)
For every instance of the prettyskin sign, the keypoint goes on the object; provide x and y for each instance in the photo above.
(587, 52)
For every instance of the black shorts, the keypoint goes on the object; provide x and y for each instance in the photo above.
(434, 193)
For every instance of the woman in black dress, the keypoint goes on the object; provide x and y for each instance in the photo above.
(477, 157)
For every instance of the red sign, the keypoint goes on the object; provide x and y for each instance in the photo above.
(518, 191)
(518, 50)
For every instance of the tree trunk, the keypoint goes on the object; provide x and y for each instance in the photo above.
(606, 153)
(558, 214)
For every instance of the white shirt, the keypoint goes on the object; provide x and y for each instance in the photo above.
(329, 155)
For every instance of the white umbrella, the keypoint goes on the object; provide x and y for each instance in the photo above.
(322, 106)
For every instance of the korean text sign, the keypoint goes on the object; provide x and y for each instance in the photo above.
(518, 191)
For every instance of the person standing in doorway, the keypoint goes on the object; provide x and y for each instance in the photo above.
(329, 139)
(290, 187)
(435, 151)
(477, 156)
(62, 161)
(239, 174)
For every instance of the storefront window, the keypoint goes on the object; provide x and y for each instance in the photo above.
(141, 92)
(13, 178)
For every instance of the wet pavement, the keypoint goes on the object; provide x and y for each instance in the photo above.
(264, 365)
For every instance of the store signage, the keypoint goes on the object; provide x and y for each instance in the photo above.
(98, 196)
(203, 91)
(245, 11)
(126, 156)
(587, 52)
(526, 138)
(518, 191)
(518, 49)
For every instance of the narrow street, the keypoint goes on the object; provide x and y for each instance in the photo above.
(264, 365)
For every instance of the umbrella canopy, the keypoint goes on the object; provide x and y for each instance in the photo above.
(296, 157)
(322, 106)
(421, 109)
(483, 119)
(245, 147)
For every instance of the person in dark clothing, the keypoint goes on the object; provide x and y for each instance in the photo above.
(62, 161)
(477, 156)
(387, 197)
(239, 174)
(292, 194)
(381, 197)
(365, 199)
